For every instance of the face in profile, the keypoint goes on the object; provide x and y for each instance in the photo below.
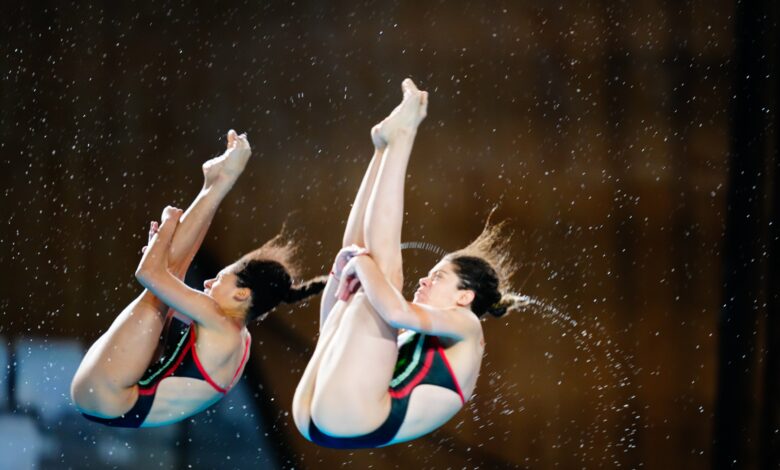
(440, 288)
(223, 288)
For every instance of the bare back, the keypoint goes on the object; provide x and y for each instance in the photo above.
(220, 358)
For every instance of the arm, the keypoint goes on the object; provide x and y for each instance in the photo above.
(329, 296)
(154, 275)
(454, 323)
(192, 228)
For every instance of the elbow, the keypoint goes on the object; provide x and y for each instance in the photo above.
(144, 276)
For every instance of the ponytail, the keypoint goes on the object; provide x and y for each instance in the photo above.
(305, 290)
(508, 301)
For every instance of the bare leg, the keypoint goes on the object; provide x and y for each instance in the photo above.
(362, 350)
(384, 214)
(304, 392)
(353, 233)
(105, 382)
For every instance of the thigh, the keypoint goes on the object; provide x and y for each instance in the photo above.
(351, 393)
(304, 392)
(106, 378)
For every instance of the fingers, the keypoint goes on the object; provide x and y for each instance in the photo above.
(349, 252)
(170, 214)
(353, 284)
(231, 138)
(153, 228)
(341, 289)
(347, 287)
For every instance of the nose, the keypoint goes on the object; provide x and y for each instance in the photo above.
(207, 283)
(424, 282)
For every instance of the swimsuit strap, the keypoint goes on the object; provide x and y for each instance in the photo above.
(206, 376)
(244, 358)
(440, 349)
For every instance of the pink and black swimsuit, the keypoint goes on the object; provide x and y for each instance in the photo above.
(421, 360)
(178, 360)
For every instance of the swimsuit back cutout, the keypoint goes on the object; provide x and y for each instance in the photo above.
(179, 359)
(421, 361)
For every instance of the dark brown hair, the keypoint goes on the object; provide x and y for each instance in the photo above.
(485, 267)
(268, 273)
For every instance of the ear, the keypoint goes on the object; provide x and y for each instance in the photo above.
(465, 297)
(242, 293)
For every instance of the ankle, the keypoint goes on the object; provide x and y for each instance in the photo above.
(220, 185)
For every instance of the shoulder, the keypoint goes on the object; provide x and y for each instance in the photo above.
(225, 336)
(469, 324)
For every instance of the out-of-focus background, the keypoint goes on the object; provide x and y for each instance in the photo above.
(602, 131)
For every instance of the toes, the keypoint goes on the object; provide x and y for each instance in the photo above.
(408, 86)
(423, 103)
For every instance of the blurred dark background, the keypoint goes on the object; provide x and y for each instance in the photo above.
(602, 131)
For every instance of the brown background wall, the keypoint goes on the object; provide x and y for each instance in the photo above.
(599, 130)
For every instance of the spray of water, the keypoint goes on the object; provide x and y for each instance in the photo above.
(593, 341)
(615, 376)
(437, 250)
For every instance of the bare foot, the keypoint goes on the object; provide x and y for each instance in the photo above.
(405, 118)
(226, 168)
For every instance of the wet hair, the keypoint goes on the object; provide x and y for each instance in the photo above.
(268, 273)
(485, 267)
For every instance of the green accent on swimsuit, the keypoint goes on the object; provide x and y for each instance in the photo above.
(172, 357)
(412, 364)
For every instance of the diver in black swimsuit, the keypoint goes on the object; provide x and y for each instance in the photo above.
(207, 343)
(421, 361)
(367, 383)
